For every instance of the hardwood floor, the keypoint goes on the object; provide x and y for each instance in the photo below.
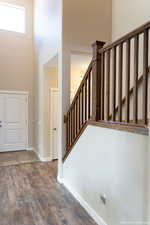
(19, 157)
(30, 195)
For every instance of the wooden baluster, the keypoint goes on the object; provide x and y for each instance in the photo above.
(82, 104)
(96, 81)
(71, 125)
(85, 100)
(113, 83)
(145, 78)
(135, 84)
(69, 129)
(102, 84)
(127, 112)
(120, 82)
(76, 116)
(73, 118)
(108, 85)
(72, 122)
(67, 125)
(89, 95)
(79, 111)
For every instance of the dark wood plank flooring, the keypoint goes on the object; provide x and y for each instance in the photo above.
(30, 195)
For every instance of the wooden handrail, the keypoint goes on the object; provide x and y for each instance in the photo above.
(102, 85)
(126, 37)
(82, 83)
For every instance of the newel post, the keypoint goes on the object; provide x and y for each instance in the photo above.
(96, 80)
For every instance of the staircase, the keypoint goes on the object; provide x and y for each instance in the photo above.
(114, 90)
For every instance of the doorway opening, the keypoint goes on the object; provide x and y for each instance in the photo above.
(51, 109)
(14, 126)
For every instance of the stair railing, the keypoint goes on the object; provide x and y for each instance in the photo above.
(113, 89)
(122, 62)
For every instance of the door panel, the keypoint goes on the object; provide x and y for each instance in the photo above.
(14, 122)
(14, 136)
(54, 123)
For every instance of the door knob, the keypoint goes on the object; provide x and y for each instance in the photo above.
(54, 129)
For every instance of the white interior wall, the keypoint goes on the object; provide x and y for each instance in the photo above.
(54, 22)
(128, 15)
(17, 61)
(85, 22)
(47, 31)
(110, 163)
(64, 87)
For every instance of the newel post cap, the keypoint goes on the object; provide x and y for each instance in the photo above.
(98, 44)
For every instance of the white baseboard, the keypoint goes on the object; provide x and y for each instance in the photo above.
(59, 179)
(30, 148)
(44, 159)
(85, 205)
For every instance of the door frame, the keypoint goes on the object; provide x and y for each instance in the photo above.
(25, 93)
(51, 91)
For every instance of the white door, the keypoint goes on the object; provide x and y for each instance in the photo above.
(54, 122)
(13, 122)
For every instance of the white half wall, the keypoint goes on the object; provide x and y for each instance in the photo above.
(109, 163)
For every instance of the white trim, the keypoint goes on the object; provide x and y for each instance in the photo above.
(30, 148)
(84, 53)
(44, 159)
(59, 179)
(14, 92)
(85, 205)
(16, 6)
(51, 90)
(27, 120)
(26, 94)
(54, 89)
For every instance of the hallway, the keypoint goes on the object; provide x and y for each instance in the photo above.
(30, 195)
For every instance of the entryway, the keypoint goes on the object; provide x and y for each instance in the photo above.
(13, 121)
(14, 129)
(51, 110)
